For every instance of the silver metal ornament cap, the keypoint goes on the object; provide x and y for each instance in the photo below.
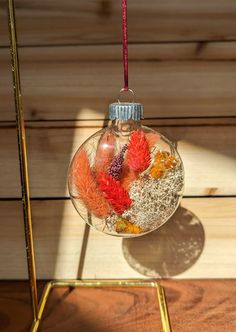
(126, 111)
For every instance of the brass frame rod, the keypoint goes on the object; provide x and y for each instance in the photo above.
(22, 149)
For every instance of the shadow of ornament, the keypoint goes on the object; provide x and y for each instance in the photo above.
(170, 250)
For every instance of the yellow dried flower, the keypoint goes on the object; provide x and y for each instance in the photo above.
(157, 170)
(170, 162)
(161, 156)
(162, 162)
(124, 226)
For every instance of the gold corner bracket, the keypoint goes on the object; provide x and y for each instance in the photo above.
(38, 308)
(135, 283)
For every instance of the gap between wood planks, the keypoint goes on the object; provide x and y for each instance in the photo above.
(156, 51)
(151, 122)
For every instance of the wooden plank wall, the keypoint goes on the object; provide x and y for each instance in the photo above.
(183, 69)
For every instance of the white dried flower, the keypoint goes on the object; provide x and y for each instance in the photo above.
(155, 200)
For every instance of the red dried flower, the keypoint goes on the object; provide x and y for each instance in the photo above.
(114, 193)
(138, 155)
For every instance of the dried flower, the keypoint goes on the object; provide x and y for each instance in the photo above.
(116, 164)
(171, 162)
(162, 162)
(127, 176)
(161, 156)
(152, 138)
(155, 201)
(138, 154)
(105, 152)
(125, 226)
(157, 170)
(87, 187)
(114, 192)
(110, 221)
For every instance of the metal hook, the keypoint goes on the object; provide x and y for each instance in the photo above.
(125, 90)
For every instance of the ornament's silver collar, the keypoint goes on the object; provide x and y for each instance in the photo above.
(126, 111)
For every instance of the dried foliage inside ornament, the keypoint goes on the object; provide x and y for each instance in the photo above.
(130, 187)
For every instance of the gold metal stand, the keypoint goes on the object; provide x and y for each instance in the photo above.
(106, 283)
(38, 308)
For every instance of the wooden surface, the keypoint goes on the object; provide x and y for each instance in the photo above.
(182, 68)
(206, 153)
(198, 242)
(99, 21)
(58, 85)
(195, 306)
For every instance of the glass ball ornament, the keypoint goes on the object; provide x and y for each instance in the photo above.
(127, 179)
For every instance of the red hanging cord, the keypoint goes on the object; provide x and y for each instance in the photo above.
(125, 44)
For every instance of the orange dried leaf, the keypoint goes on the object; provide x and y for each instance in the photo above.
(87, 187)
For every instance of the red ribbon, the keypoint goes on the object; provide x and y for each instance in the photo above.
(125, 44)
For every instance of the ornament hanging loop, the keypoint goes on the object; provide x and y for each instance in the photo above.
(128, 92)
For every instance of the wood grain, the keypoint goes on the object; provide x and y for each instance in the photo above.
(204, 305)
(79, 22)
(57, 85)
(15, 310)
(165, 51)
(208, 153)
(198, 242)
(194, 306)
(129, 310)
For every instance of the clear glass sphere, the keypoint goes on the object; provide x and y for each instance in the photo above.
(126, 180)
